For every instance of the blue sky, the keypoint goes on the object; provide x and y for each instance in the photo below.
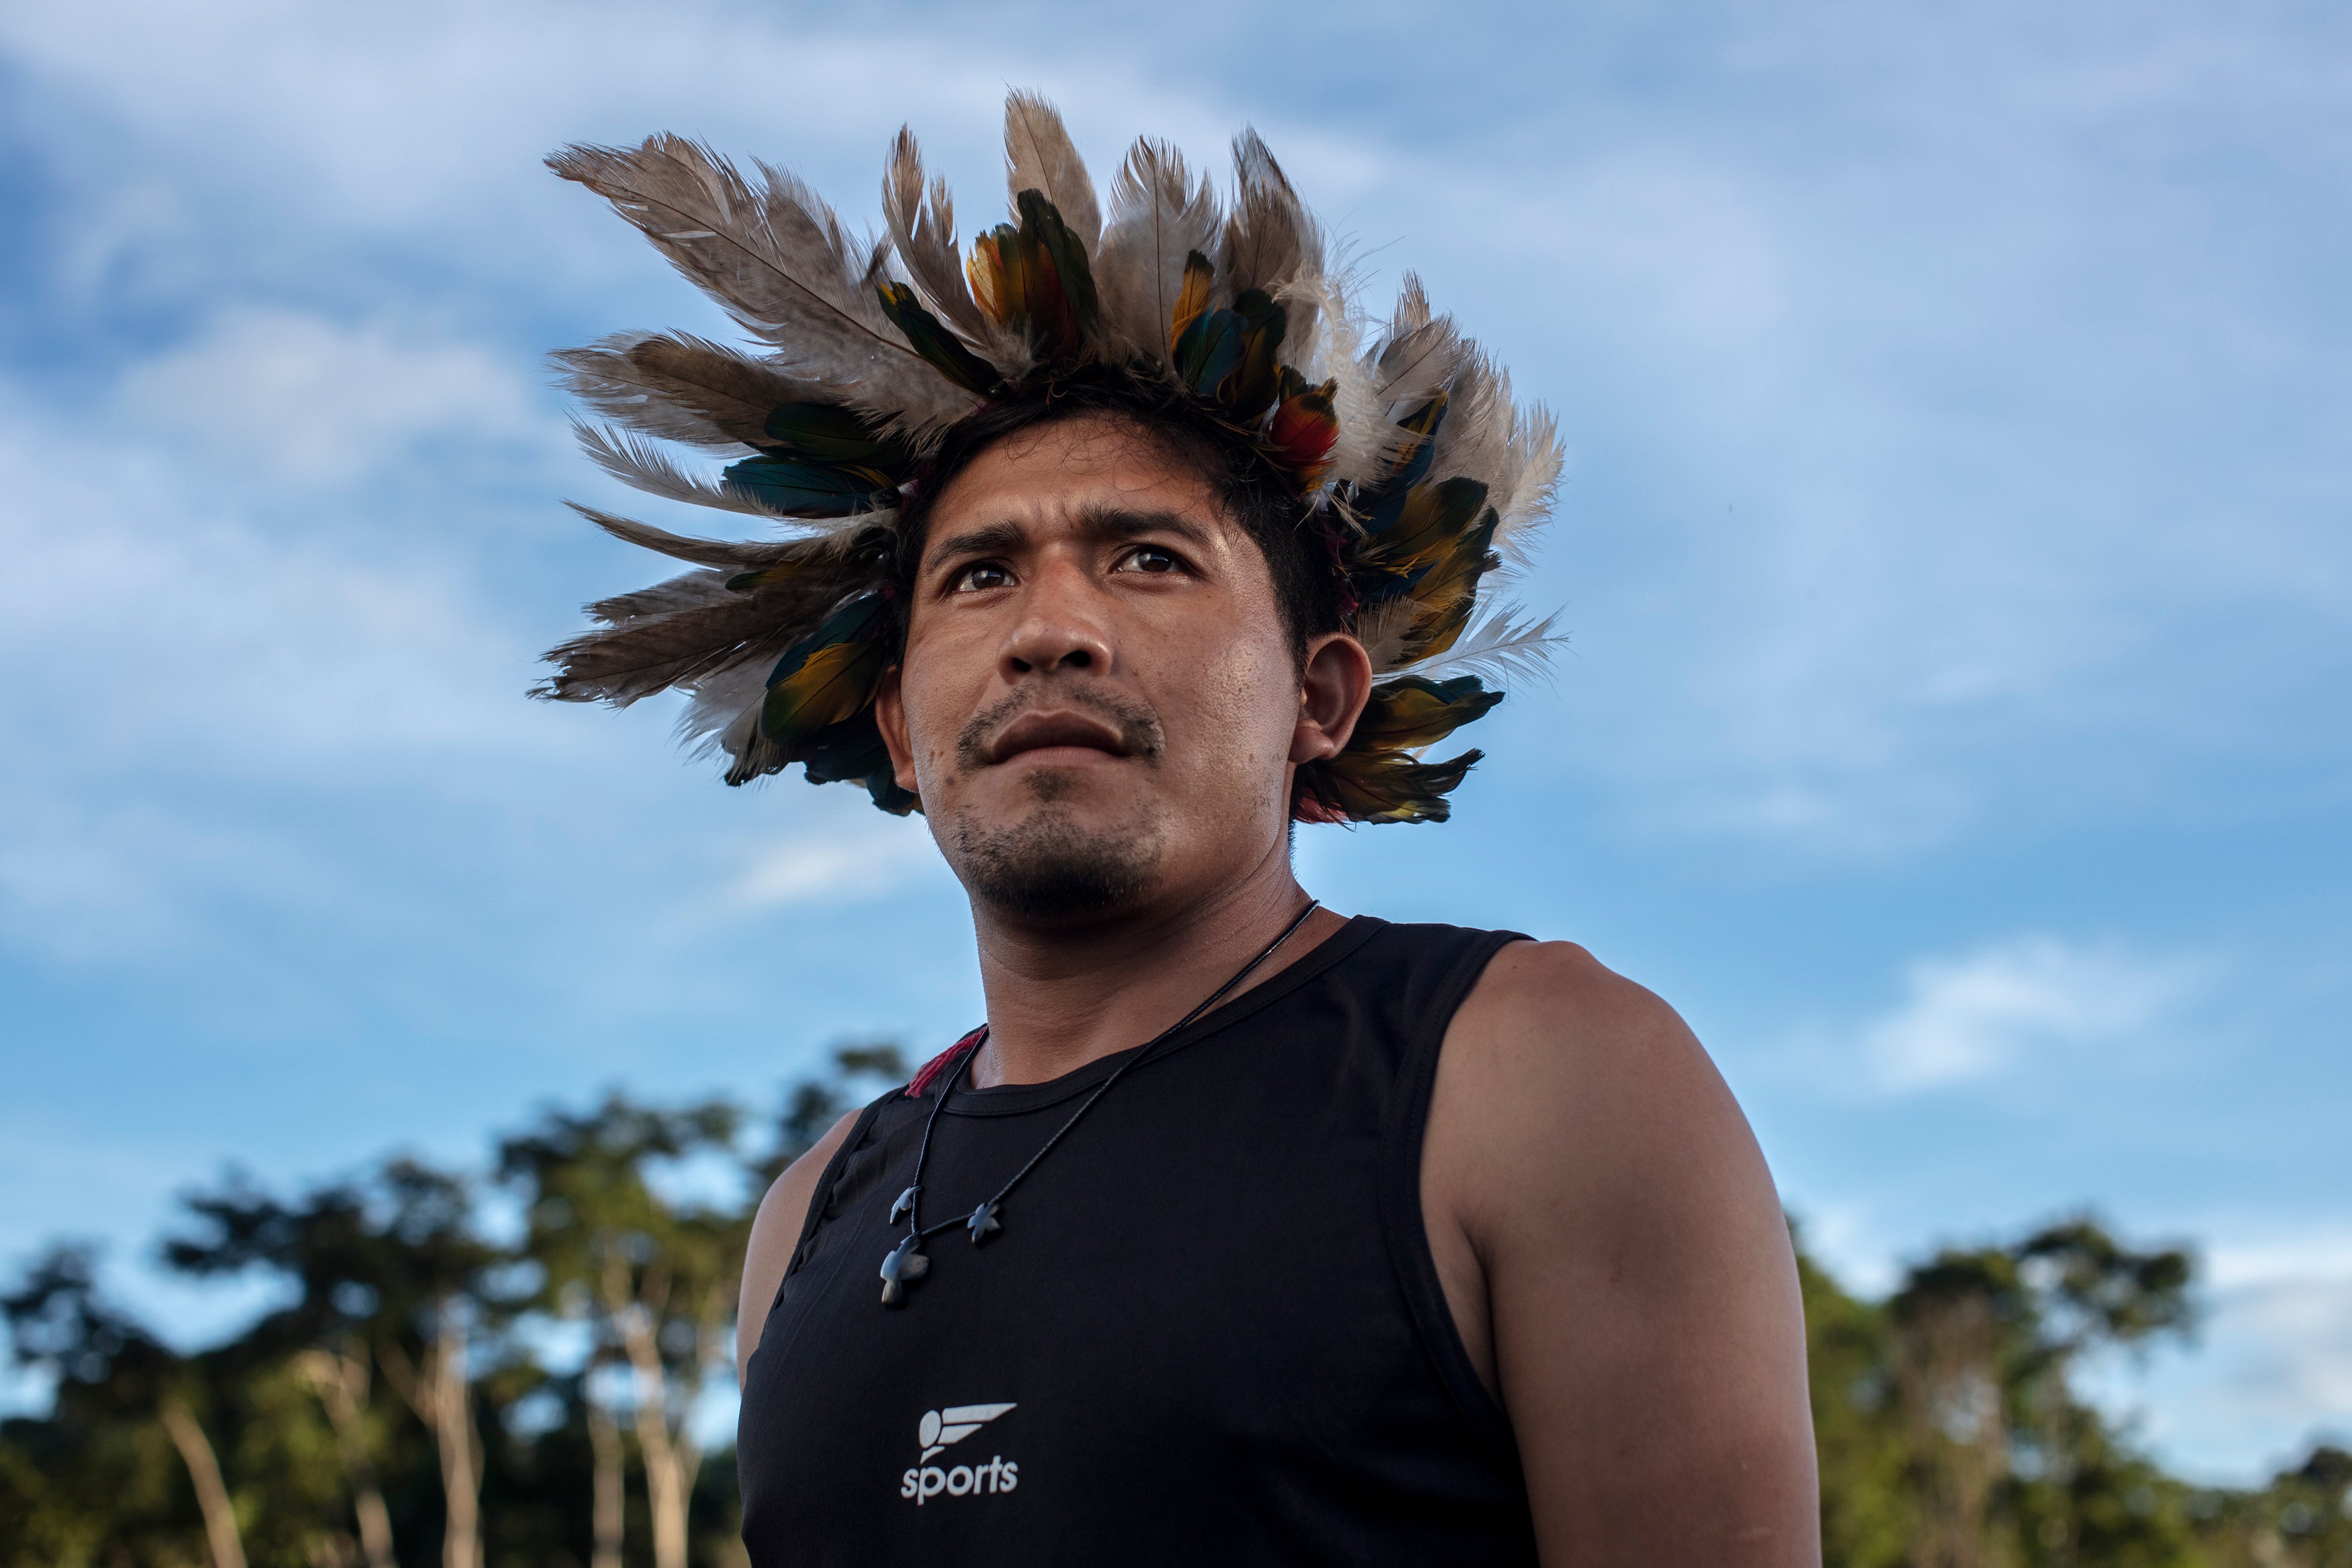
(1953, 550)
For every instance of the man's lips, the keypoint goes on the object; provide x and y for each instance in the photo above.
(1056, 732)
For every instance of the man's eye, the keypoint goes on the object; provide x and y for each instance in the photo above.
(1148, 558)
(986, 574)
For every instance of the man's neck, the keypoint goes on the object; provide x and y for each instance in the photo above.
(1060, 998)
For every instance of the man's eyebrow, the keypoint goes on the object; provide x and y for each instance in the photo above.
(988, 539)
(1096, 523)
(1111, 522)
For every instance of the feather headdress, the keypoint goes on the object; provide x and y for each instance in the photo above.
(1408, 456)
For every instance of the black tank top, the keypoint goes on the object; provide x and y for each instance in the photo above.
(1210, 1330)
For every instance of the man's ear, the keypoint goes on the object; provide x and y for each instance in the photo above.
(890, 717)
(1332, 691)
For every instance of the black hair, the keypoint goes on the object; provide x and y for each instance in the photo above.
(1306, 585)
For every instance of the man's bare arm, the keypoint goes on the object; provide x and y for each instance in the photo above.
(775, 1231)
(1617, 1258)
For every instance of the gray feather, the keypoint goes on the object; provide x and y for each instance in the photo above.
(1475, 441)
(1418, 354)
(1039, 156)
(776, 258)
(682, 388)
(1268, 239)
(691, 591)
(640, 465)
(925, 237)
(716, 553)
(1158, 215)
(695, 625)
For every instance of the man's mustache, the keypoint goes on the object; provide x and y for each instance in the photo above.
(1138, 725)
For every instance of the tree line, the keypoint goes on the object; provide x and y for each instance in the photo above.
(502, 1368)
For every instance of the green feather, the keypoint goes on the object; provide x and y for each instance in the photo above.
(799, 488)
(1041, 226)
(941, 347)
(1378, 506)
(827, 676)
(832, 433)
(1409, 712)
(853, 752)
(1209, 349)
(1256, 380)
(1435, 521)
(1360, 786)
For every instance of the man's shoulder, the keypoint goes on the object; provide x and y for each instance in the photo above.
(1546, 1004)
(1568, 1075)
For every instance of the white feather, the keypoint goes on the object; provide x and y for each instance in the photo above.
(1368, 443)
(1385, 630)
(723, 703)
(1531, 485)
(1474, 441)
(1497, 648)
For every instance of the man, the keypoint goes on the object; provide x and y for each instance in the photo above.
(1241, 1232)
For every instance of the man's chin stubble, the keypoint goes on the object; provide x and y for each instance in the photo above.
(1046, 867)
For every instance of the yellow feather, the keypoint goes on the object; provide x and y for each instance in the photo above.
(833, 683)
(1192, 297)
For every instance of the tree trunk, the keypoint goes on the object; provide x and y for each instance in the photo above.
(461, 1460)
(443, 1398)
(341, 1384)
(604, 1441)
(669, 1483)
(203, 1472)
(1951, 1397)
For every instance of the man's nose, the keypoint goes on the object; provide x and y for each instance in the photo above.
(1061, 626)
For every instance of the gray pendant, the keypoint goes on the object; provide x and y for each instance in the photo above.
(901, 1268)
(982, 1223)
(906, 1202)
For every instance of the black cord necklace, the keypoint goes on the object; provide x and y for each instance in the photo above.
(905, 1263)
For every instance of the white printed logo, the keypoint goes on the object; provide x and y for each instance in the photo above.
(936, 1432)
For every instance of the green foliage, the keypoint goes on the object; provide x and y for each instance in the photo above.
(1951, 1436)
(814, 1104)
(1867, 1510)
(373, 1269)
(1949, 1431)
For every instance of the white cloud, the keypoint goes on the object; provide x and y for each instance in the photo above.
(847, 861)
(187, 661)
(179, 633)
(292, 398)
(2271, 1370)
(1979, 1016)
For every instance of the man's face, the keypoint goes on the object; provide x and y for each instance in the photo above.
(1099, 700)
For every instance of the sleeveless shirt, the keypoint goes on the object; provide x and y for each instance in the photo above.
(1210, 1330)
